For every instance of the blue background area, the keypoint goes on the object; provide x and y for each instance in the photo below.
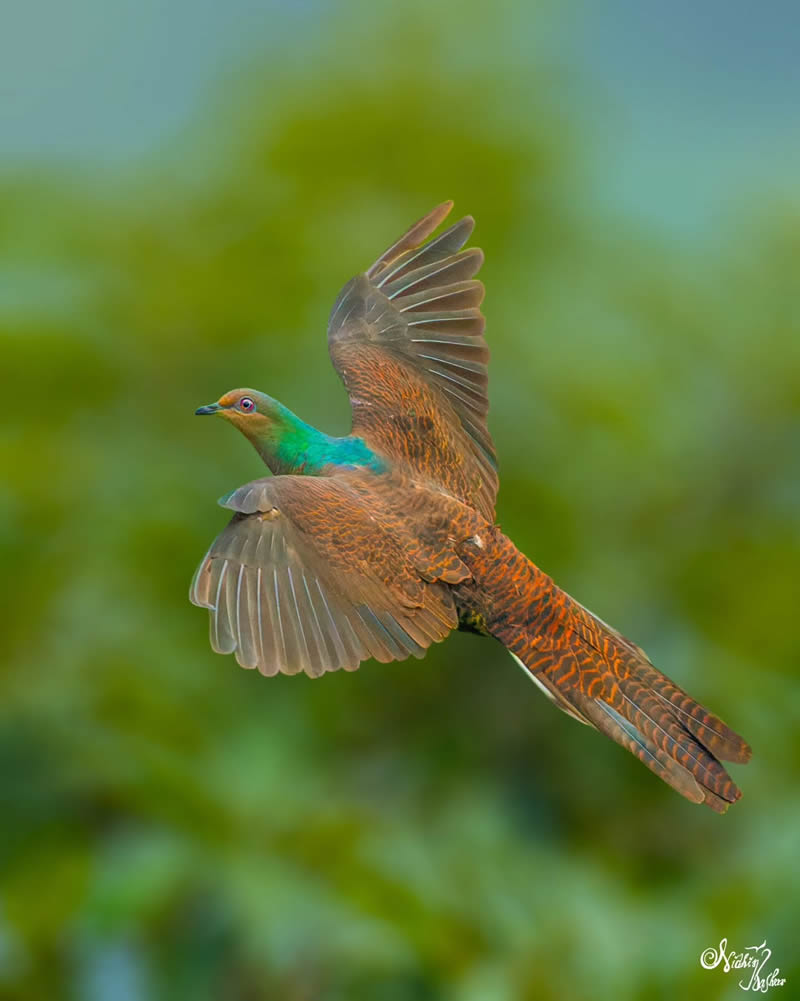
(690, 110)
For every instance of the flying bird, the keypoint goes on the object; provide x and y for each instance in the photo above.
(379, 543)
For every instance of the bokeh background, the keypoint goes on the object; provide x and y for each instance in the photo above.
(183, 189)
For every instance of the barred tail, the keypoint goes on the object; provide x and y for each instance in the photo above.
(599, 677)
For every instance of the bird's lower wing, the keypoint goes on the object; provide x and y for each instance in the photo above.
(304, 578)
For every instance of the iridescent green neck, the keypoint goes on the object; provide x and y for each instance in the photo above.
(289, 445)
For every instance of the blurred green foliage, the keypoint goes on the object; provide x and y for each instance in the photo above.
(174, 827)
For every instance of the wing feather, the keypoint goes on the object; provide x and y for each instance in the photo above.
(406, 337)
(305, 578)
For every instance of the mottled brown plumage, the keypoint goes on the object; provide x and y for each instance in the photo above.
(380, 543)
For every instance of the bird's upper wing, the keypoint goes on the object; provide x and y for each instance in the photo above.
(406, 337)
(307, 577)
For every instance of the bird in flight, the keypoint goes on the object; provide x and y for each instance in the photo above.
(381, 542)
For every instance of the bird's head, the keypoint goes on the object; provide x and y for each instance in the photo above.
(247, 409)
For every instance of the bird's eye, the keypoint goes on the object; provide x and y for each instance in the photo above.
(246, 404)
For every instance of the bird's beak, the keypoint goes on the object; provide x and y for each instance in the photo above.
(209, 408)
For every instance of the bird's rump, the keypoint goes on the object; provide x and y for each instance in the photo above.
(306, 577)
(407, 340)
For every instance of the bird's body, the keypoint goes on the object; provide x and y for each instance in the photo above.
(381, 542)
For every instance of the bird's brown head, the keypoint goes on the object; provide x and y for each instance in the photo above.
(247, 409)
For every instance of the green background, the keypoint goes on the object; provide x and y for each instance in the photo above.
(173, 827)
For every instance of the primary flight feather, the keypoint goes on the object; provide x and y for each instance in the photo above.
(380, 543)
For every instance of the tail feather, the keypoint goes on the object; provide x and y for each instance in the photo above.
(659, 762)
(612, 724)
(603, 717)
(710, 730)
(601, 678)
(633, 713)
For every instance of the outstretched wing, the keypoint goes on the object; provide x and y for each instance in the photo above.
(406, 337)
(305, 578)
